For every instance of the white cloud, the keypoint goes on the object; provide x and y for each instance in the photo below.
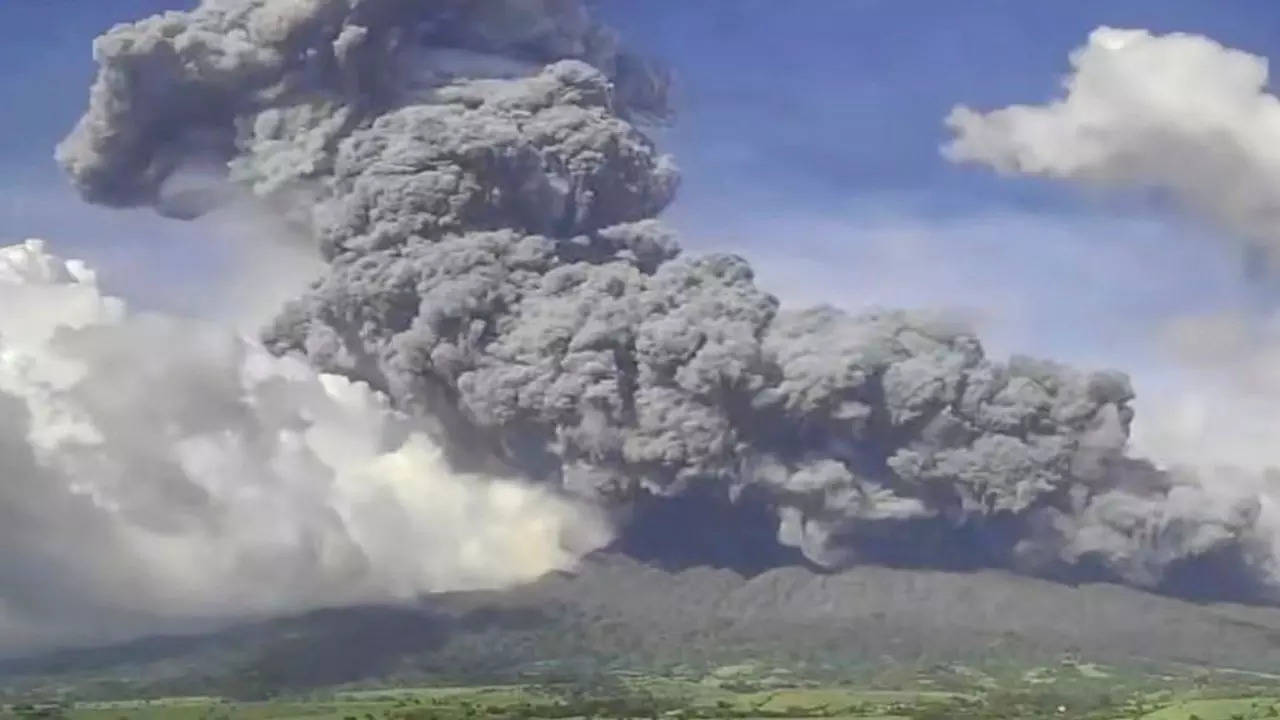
(1177, 113)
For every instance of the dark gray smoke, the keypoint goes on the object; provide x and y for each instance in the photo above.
(473, 172)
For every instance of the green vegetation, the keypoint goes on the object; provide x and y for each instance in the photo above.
(1067, 690)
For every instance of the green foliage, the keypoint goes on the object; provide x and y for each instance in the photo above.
(741, 692)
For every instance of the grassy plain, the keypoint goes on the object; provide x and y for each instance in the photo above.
(1082, 692)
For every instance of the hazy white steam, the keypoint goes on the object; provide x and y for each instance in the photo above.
(1224, 410)
(155, 468)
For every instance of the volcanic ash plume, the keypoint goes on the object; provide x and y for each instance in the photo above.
(158, 472)
(474, 175)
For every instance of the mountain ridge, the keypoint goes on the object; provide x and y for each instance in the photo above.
(614, 613)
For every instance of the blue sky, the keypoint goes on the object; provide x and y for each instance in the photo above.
(846, 97)
(808, 132)
(809, 141)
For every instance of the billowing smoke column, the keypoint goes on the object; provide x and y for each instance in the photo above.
(156, 472)
(472, 174)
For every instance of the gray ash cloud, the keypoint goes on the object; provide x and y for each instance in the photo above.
(475, 176)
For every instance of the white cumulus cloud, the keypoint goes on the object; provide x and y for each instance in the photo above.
(1177, 113)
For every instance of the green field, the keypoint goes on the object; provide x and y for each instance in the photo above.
(744, 692)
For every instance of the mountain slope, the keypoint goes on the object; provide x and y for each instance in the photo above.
(617, 613)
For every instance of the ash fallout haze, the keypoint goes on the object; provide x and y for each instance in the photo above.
(396, 297)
